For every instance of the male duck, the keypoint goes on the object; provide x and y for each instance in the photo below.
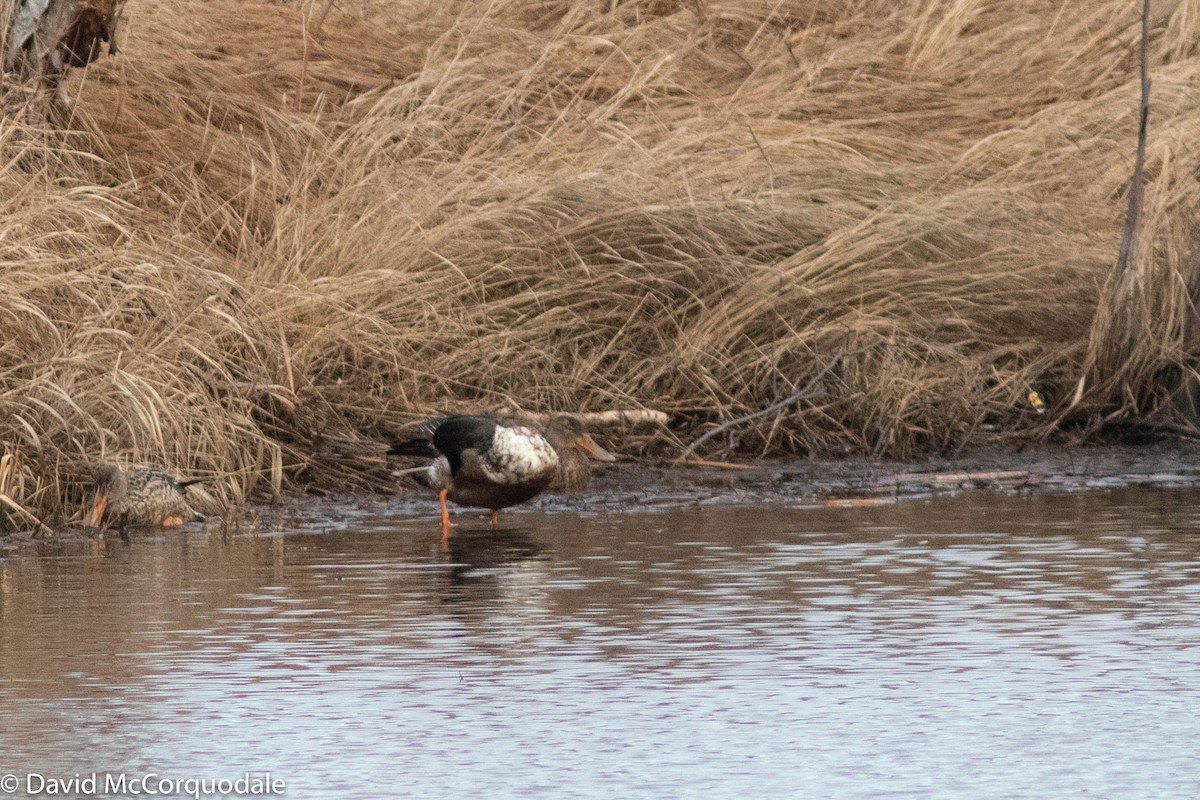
(482, 462)
(140, 496)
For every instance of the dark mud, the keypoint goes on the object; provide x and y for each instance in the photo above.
(857, 481)
(848, 482)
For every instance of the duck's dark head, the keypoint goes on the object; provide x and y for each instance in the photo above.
(566, 433)
(110, 480)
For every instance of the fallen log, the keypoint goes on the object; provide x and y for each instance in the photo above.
(595, 419)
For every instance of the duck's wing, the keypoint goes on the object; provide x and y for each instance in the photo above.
(155, 495)
(417, 440)
(416, 447)
(472, 469)
(457, 436)
(147, 480)
(443, 436)
(479, 449)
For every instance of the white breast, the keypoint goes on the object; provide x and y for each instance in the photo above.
(519, 454)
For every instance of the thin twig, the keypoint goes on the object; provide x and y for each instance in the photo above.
(6, 471)
(1134, 211)
(763, 153)
(741, 56)
(310, 35)
(321, 19)
(804, 393)
(787, 43)
(700, 462)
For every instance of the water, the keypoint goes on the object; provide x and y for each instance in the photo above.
(978, 646)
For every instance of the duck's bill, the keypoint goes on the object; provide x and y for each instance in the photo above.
(588, 445)
(97, 512)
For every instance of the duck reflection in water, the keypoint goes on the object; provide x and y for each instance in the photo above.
(479, 562)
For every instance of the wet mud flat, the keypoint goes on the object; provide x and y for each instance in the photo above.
(630, 487)
(819, 483)
(864, 482)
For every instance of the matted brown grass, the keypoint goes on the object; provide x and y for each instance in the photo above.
(251, 243)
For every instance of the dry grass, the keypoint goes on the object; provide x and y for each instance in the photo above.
(248, 245)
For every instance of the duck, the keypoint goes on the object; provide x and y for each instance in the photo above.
(483, 462)
(576, 450)
(141, 496)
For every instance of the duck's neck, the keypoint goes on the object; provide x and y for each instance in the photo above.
(574, 471)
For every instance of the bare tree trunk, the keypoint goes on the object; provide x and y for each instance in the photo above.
(45, 38)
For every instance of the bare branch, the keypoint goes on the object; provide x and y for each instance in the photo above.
(808, 391)
(1134, 211)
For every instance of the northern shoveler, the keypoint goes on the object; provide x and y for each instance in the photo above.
(482, 462)
(576, 450)
(139, 496)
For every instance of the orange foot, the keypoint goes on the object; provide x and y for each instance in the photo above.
(169, 521)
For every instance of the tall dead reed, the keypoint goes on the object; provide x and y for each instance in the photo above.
(256, 240)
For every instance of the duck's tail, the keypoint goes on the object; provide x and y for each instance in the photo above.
(423, 475)
(417, 448)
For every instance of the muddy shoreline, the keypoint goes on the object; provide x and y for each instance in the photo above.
(848, 482)
(853, 482)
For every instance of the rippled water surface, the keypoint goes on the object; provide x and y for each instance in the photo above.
(978, 646)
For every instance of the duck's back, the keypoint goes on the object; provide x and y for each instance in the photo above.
(152, 497)
(491, 451)
(454, 436)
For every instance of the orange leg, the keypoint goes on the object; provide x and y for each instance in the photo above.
(169, 521)
(495, 518)
(445, 515)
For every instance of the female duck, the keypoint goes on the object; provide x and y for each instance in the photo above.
(140, 496)
(484, 463)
